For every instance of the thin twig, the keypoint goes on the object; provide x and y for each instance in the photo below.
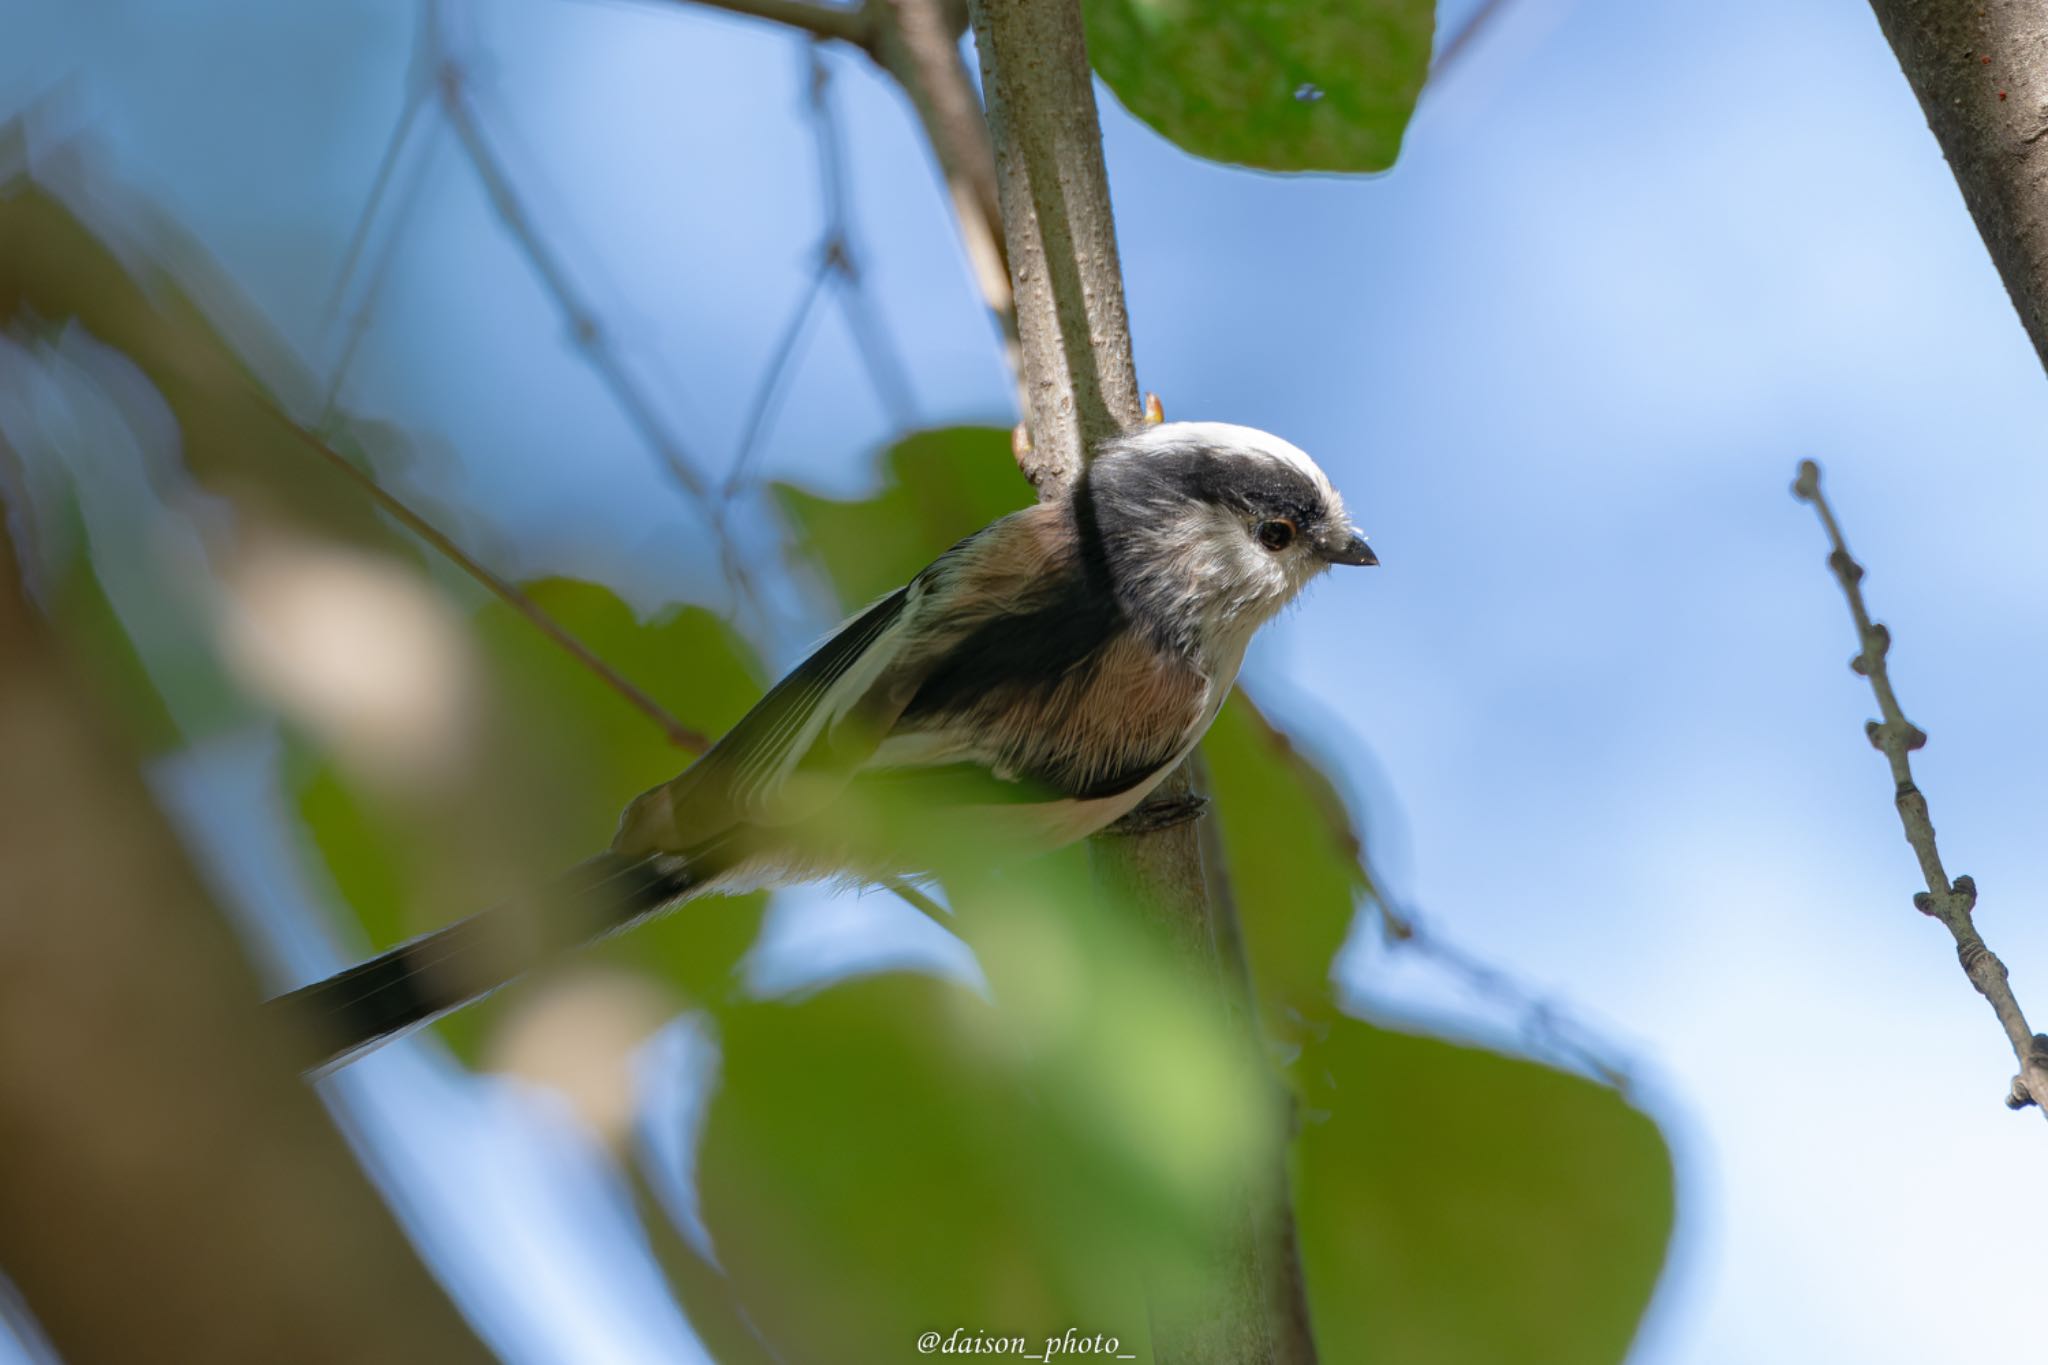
(584, 328)
(589, 335)
(768, 392)
(847, 23)
(1951, 902)
(679, 734)
(887, 374)
(834, 263)
(359, 237)
(364, 312)
(1546, 1027)
(1460, 42)
(918, 42)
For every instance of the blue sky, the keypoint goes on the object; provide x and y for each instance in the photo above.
(1636, 261)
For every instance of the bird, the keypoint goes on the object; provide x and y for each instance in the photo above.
(1026, 689)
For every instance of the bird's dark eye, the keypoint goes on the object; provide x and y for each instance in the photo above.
(1277, 534)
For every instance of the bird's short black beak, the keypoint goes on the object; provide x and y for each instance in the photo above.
(1349, 549)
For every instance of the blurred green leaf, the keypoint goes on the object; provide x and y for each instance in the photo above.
(940, 485)
(1320, 85)
(898, 1155)
(1461, 1207)
(1294, 863)
(164, 305)
(94, 633)
(559, 755)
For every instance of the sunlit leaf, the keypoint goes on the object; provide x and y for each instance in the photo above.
(1321, 85)
(941, 485)
(1461, 1207)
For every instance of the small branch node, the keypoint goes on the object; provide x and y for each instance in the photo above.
(1846, 569)
(1886, 735)
(1806, 487)
(1981, 965)
(1965, 890)
(1164, 813)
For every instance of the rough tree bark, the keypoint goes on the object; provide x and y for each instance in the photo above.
(1980, 68)
(1081, 387)
(169, 1190)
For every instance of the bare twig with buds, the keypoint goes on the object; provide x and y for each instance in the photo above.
(1953, 902)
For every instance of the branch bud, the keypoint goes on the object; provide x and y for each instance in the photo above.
(1807, 486)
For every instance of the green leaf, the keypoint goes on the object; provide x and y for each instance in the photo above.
(560, 753)
(1294, 862)
(900, 1154)
(1320, 85)
(940, 485)
(1461, 1207)
(95, 634)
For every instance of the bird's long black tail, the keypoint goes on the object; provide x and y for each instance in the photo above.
(397, 991)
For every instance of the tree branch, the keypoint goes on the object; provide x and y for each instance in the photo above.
(847, 24)
(1951, 902)
(918, 42)
(1080, 385)
(1978, 69)
(1081, 388)
(168, 1188)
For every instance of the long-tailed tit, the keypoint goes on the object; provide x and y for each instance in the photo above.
(1027, 688)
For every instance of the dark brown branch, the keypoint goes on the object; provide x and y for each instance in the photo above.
(1979, 69)
(168, 1189)
(1952, 902)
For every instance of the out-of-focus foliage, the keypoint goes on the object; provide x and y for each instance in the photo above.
(92, 630)
(55, 271)
(941, 485)
(557, 755)
(899, 1154)
(1323, 85)
(1294, 864)
(1476, 1164)
(1464, 1208)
